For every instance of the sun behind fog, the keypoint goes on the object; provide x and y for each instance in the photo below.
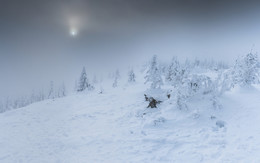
(73, 32)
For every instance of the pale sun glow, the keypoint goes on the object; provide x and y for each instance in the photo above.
(73, 32)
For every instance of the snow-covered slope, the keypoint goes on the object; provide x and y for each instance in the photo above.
(112, 127)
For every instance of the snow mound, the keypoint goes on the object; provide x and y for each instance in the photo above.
(117, 127)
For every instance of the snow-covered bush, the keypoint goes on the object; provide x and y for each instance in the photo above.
(245, 71)
(194, 86)
(200, 84)
(181, 99)
(224, 81)
(153, 74)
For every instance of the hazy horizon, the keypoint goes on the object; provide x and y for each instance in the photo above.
(42, 39)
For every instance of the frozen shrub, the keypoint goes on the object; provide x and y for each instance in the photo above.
(194, 86)
(199, 84)
(224, 82)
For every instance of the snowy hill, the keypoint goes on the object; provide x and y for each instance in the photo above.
(112, 127)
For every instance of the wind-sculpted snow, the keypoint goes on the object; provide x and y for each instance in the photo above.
(117, 127)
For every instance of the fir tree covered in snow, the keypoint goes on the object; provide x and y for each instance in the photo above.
(246, 72)
(117, 74)
(51, 93)
(116, 77)
(153, 74)
(84, 82)
(62, 90)
(174, 73)
(131, 76)
(115, 82)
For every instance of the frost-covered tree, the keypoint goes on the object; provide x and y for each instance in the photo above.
(181, 100)
(246, 72)
(41, 95)
(115, 82)
(2, 109)
(51, 93)
(117, 74)
(175, 73)
(131, 76)
(224, 81)
(153, 74)
(62, 90)
(84, 82)
(116, 77)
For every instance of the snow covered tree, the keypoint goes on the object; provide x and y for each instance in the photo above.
(175, 73)
(116, 77)
(181, 100)
(84, 82)
(51, 93)
(153, 74)
(246, 72)
(2, 109)
(42, 95)
(224, 81)
(131, 76)
(62, 90)
(117, 74)
(115, 82)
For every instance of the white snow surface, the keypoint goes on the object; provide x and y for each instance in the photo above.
(112, 127)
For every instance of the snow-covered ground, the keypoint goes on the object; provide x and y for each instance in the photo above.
(112, 127)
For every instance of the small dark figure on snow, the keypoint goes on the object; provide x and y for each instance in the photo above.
(152, 103)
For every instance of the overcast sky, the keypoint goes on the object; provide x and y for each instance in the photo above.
(35, 35)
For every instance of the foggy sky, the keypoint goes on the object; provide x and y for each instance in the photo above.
(116, 27)
(35, 34)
